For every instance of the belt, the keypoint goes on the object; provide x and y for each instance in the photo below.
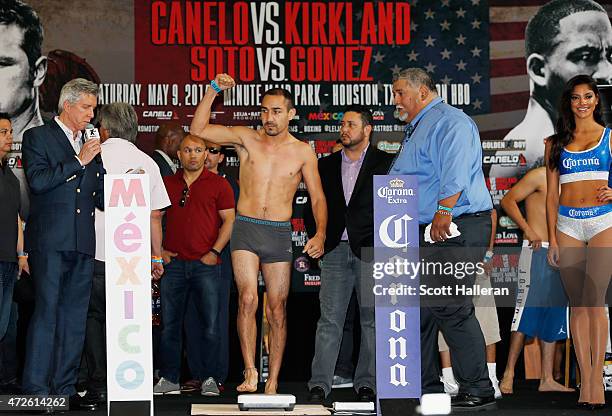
(462, 216)
(474, 214)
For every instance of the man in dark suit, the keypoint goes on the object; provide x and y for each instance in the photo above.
(66, 183)
(347, 182)
(167, 140)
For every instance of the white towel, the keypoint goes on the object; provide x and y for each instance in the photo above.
(453, 230)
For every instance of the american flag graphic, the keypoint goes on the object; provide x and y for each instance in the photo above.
(449, 39)
(508, 79)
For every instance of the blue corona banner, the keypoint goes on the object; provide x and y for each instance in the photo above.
(396, 252)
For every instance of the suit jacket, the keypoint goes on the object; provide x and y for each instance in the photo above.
(164, 167)
(356, 215)
(64, 194)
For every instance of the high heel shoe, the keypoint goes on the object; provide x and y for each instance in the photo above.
(597, 406)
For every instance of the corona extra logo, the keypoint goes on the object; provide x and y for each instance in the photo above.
(398, 237)
(396, 183)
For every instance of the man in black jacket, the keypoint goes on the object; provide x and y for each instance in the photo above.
(347, 182)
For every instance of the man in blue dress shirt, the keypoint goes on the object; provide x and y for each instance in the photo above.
(442, 148)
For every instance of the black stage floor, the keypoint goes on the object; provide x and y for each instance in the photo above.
(526, 401)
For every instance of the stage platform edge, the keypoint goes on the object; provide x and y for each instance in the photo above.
(232, 409)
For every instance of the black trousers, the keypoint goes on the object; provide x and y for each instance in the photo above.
(95, 333)
(54, 345)
(453, 315)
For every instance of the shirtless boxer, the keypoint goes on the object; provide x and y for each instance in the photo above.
(272, 164)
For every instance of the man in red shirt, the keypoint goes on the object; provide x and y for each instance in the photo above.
(198, 226)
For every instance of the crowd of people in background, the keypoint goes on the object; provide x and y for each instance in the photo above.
(206, 233)
(193, 217)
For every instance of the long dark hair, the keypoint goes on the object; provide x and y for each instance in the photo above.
(566, 124)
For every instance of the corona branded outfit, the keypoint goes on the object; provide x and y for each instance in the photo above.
(583, 223)
(587, 165)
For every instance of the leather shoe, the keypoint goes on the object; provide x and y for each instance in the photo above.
(92, 398)
(76, 402)
(46, 411)
(465, 402)
(365, 394)
(597, 406)
(10, 388)
(317, 395)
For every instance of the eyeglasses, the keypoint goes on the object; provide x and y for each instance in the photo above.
(183, 200)
(213, 150)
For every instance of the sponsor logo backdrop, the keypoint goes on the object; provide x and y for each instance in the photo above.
(160, 55)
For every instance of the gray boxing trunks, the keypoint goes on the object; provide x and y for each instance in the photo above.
(270, 240)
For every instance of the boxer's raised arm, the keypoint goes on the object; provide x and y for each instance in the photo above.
(200, 125)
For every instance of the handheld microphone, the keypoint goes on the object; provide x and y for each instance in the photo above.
(92, 133)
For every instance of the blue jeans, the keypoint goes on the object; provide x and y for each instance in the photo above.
(196, 349)
(344, 366)
(341, 273)
(202, 283)
(8, 275)
(9, 361)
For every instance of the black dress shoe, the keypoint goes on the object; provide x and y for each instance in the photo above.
(596, 406)
(583, 405)
(10, 388)
(465, 402)
(46, 411)
(93, 398)
(365, 394)
(317, 395)
(76, 402)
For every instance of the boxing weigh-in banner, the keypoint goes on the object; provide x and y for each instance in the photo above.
(395, 285)
(129, 371)
(159, 55)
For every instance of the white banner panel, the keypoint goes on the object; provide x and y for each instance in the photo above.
(128, 289)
